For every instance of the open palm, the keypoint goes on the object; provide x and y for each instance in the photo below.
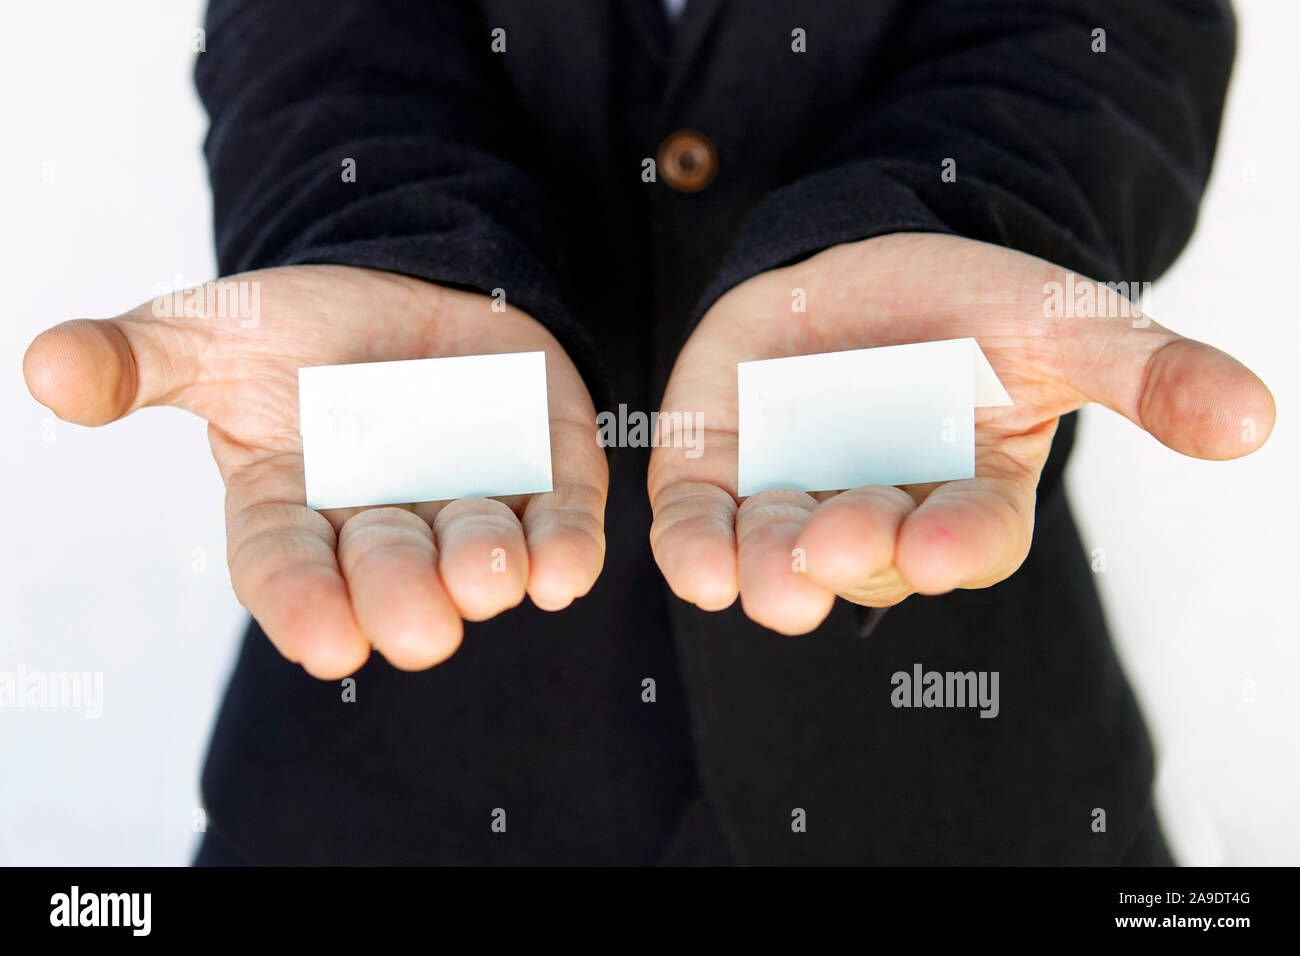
(876, 545)
(327, 586)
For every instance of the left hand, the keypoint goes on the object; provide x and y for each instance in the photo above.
(327, 586)
(877, 545)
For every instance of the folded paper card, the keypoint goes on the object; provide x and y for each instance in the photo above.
(424, 430)
(896, 415)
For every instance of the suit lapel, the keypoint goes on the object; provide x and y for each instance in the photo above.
(693, 30)
(651, 27)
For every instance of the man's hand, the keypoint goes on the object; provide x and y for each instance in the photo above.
(326, 586)
(877, 545)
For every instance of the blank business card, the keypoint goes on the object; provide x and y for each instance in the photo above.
(896, 415)
(382, 433)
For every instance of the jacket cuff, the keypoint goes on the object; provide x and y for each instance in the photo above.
(845, 204)
(455, 262)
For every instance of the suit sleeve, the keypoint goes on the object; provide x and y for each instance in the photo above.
(408, 96)
(1093, 160)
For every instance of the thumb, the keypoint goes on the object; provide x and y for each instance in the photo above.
(1190, 396)
(91, 372)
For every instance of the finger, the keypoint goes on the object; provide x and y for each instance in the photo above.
(284, 569)
(693, 539)
(849, 539)
(966, 534)
(91, 372)
(390, 562)
(884, 589)
(773, 591)
(565, 527)
(482, 558)
(1192, 397)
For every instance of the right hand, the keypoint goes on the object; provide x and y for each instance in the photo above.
(876, 545)
(327, 586)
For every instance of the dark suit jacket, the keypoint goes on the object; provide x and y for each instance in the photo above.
(522, 170)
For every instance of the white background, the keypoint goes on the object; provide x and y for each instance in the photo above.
(107, 531)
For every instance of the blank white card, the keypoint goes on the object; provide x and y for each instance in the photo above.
(896, 415)
(434, 429)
